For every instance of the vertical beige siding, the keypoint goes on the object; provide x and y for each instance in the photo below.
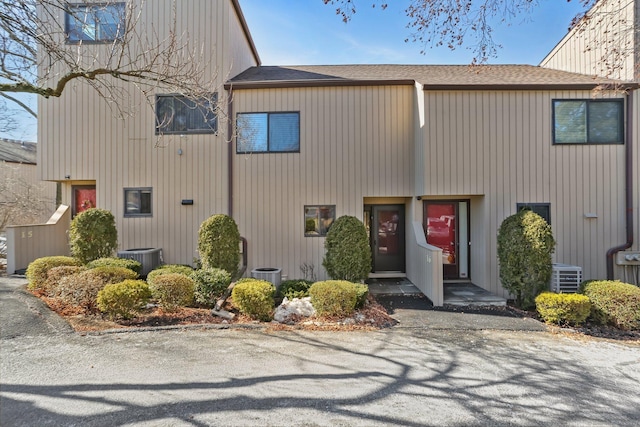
(83, 136)
(603, 46)
(355, 142)
(21, 180)
(496, 148)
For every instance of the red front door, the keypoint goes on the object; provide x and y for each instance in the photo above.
(84, 197)
(441, 227)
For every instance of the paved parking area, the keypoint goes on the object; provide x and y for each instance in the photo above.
(418, 375)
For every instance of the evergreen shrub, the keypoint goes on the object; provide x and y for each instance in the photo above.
(525, 245)
(348, 254)
(219, 243)
(334, 297)
(294, 289)
(124, 299)
(82, 289)
(210, 285)
(168, 269)
(131, 264)
(254, 298)
(172, 290)
(93, 235)
(38, 269)
(563, 309)
(614, 303)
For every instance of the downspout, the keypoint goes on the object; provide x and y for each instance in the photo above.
(230, 151)
(629, 190)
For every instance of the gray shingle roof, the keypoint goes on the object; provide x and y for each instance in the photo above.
(431, 76)
(18, 151)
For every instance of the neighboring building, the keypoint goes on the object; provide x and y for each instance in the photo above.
(24, 198)
(446, 152)
(605, 42)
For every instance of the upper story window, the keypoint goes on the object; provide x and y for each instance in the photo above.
(268, 132)
(592, 121)
(97, 23)
(177, 114)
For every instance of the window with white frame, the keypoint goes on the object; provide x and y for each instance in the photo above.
(137, 202)
(268, 132)
(95, 23)
(176, 114)
(588, 121)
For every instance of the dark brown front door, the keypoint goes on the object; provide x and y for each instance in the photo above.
(387, 238)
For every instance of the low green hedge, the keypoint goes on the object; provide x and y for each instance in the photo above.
(294, 289)
(124, 299)
(210, 285)
(254, 298)
(169, 268)
(614, 303)
(131, 264)
(334, 297)
(172, 290)
(563, 309)
(38, 269)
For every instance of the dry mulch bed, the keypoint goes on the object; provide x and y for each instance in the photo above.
(371, 316)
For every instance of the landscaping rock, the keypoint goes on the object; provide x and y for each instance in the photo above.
(297, 307)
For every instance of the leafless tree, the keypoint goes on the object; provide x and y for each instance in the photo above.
(40, 54)
(456, 23)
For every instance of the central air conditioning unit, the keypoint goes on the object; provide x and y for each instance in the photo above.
(150, 258)
(565, 278)
(273, 275)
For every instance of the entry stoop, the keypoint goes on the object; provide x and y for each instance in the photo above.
(467, 294)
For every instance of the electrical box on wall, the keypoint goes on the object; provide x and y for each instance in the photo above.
(628, 258)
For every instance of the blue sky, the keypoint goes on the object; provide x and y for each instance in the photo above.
(298, 32)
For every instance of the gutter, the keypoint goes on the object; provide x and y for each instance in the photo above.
(628, 191)
(230, 151)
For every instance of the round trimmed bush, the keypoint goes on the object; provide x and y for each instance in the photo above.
(56, 274)
(124, 299)
(334, 297)
(172, 290)
(254, 298)
(563, 309)
(210, 284)
(219, 243)
(294, 289)
(348, 254)
(38, 269)
(82, 289)
(167, 269)
(614, 303)
(525, 245)
(131, 264)
(93, 235)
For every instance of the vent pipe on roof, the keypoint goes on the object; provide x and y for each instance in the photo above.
(628, 190)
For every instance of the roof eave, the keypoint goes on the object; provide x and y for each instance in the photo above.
(534, 86)
(275, 84)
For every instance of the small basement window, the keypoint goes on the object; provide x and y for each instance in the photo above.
(137, 202)
(542, 209)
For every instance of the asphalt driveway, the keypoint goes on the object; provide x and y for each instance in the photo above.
(412, 375)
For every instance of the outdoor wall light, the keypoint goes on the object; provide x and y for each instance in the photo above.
(418, 197)
(67, 177)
